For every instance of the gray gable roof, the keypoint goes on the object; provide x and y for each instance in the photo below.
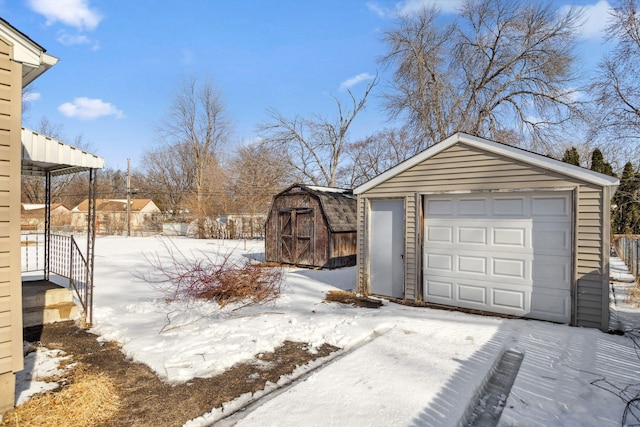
(338, 205)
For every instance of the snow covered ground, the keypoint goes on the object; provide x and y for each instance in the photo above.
(399, 365)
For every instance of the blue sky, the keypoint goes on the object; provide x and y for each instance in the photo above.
(121, 61)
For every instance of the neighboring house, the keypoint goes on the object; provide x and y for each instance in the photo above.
(481, 225)
(111, 216)
(312, 226)
(32, 216)
(21, 61)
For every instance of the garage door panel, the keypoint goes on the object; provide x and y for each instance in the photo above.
(557, 241)
(442, 262)
(554, 306)
(509, 299)
(472, 294)
(440, 234)
(436, 207)
(550, 206)
(508, 253)
(508, 206)
(475, 207)
(439, 291)
(511, 268)
(514, 236)
(550, 270)
(472, 264)
(472, 235)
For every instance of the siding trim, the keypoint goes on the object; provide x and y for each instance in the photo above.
(606, 250)
(574, 258)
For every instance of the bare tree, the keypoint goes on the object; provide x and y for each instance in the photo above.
(315, 146)
(196, 129)
(617, 88)
(167, 179)
(375, 154)
(257, 172)
(501, 67)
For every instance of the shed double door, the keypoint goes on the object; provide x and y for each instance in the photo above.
(296, 236)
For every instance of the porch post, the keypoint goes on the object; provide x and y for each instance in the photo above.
(47, 225)
(91, 236)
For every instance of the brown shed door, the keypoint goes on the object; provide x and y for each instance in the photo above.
(296, 236)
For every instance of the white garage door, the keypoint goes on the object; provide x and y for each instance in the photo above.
(504, 253)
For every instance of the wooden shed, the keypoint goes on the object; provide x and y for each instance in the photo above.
(312, 226)
(481, 225)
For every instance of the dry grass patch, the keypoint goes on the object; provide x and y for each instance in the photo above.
(89, 400)
(352, 298)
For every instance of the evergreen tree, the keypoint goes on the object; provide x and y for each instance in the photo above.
(599, 165)
(571, 156)
(626, 213)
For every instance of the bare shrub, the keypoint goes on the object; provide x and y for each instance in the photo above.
(218, 279)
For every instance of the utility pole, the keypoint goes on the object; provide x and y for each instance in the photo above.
(128, 197)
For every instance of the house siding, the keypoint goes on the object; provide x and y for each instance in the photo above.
(10, 164)
(462, 167)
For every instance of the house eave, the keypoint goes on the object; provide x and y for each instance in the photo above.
(33, 57)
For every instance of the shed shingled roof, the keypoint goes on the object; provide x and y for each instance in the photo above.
(339, 205)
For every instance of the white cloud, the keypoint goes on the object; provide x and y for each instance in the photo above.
(78, 39)
(75, 13)
(355, 80)
(84, 108)
(410, 7)
(32, 96)
(595, 19)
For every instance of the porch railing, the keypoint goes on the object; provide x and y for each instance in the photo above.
(65, 260)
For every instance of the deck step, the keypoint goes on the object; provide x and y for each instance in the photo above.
(36, 316)
(44, 302)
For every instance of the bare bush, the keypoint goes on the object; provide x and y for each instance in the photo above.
(220, 279)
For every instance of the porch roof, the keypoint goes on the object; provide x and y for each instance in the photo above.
(41, 154)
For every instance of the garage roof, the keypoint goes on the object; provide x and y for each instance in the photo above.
(41, 154)
(497, 148)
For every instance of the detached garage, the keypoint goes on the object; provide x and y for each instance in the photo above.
(481, 225)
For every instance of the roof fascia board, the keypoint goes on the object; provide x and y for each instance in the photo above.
(31, 55)
(497, 148)
(540, 161)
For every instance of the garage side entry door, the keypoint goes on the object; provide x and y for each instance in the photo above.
(386, 248)
(503, 253)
